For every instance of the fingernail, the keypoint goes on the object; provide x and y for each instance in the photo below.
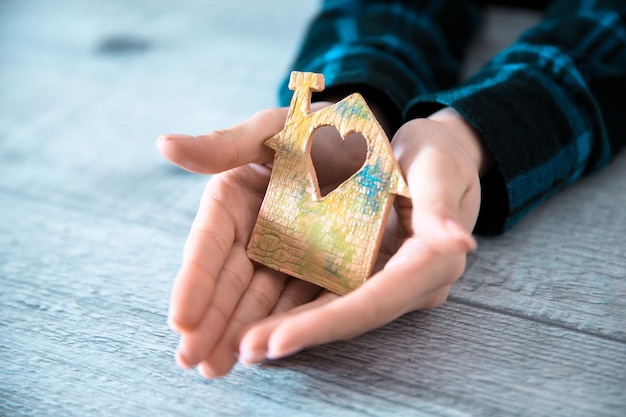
(205, 371)
(181, 360)
(473, 245)
(459, 232)
(273, 354)
(172, 325)
(162, 139)
(250, 357)
(169, 136)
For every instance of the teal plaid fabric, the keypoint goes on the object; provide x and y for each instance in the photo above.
(549, 107)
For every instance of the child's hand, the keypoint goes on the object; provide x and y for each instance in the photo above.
(226, 307)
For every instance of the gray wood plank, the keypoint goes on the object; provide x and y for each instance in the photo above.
(78, 125)
(501, 26)
(565, 264)
(84, 301)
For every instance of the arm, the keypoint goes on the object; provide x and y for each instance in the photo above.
(389, 51)
(548, 108)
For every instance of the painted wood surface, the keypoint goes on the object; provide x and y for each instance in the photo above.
(92, 223)
(329, 240)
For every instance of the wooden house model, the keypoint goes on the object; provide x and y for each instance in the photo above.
(331, 241)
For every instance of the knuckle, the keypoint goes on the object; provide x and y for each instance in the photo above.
(236, 281)
(229, 148)
(261, 299)
(437, 298)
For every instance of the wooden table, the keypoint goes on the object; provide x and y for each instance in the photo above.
(92, 223)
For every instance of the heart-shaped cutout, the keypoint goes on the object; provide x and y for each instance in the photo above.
(334, 158)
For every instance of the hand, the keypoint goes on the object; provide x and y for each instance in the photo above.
(226, 307)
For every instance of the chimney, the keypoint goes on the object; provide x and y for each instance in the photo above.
(303, 84)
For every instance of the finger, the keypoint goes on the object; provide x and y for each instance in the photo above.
(400, 287)
(232, 281)
(255, 304)
(207, 247)
(225, 149)
(253, 347)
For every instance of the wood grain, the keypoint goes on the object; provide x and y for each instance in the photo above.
(331, 241)
(90, 338)
(567, 269)
(92, 224)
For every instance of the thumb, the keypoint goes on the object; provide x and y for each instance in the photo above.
(444, 194)
(222, 150)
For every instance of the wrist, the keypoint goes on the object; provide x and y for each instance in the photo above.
(466, 136)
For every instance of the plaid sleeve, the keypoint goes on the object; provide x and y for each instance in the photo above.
(549, 107)
(395, 50)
